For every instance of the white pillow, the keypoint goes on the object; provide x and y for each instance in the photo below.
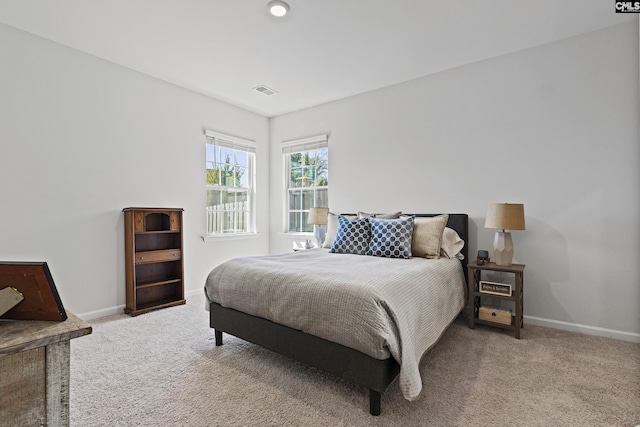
(332, 228)
(452, 244)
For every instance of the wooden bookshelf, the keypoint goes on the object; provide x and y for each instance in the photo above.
(153, 259)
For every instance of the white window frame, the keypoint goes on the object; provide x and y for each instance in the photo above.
(237, 144)
(299, 146)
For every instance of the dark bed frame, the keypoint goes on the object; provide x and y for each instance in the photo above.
(328, 356)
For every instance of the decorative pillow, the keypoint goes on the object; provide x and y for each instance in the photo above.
(427, 236)
(452, 244)
(352, 237)
(391, 238)
(393, 215)
(332, 228)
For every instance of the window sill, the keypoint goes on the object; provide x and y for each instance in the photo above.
(296, 236)
(234, 236)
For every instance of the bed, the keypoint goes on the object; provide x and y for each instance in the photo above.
(278, 316)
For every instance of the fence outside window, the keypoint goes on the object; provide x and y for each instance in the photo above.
(230, 167)
(228, 218)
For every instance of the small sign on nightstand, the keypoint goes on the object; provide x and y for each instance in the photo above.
(493, 288)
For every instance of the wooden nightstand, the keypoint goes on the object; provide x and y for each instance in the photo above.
(475, 296)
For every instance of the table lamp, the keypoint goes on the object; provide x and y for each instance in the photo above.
(318, 217)
(505, 216)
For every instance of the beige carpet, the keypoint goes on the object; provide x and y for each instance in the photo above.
(163, 369)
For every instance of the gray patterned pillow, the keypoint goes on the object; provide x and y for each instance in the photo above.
(352, 237)
(392, 215)
(391, 238)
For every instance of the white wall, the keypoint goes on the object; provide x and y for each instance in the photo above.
(554, 127)
(82, 138)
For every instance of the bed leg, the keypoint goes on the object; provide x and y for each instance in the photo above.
(374, 402)
(218, 337)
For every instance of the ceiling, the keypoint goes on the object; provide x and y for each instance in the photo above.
(322, 51)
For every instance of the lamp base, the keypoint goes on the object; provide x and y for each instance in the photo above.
(503, 248)
(319, 234)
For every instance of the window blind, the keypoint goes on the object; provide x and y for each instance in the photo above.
(228, 141)
(305, 144)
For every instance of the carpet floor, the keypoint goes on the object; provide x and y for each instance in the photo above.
(163, 369)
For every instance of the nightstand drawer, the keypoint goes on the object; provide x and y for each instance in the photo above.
(494, 315)
(157, 256)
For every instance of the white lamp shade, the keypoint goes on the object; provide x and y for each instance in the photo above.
(318, 216)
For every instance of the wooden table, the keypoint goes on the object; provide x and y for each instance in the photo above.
(473, 279)
(34, 370)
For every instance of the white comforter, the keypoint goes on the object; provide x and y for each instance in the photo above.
(378, 306)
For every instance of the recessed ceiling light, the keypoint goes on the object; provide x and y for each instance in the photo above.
(278, 8)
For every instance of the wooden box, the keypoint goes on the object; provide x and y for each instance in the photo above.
(495, 315)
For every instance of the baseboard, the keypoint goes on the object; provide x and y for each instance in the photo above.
(119, 309)
(194, 292)
(584, 329)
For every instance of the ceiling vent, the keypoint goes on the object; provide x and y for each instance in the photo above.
(265, 90)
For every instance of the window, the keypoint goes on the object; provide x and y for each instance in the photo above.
(230, 163)
(307, 171)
